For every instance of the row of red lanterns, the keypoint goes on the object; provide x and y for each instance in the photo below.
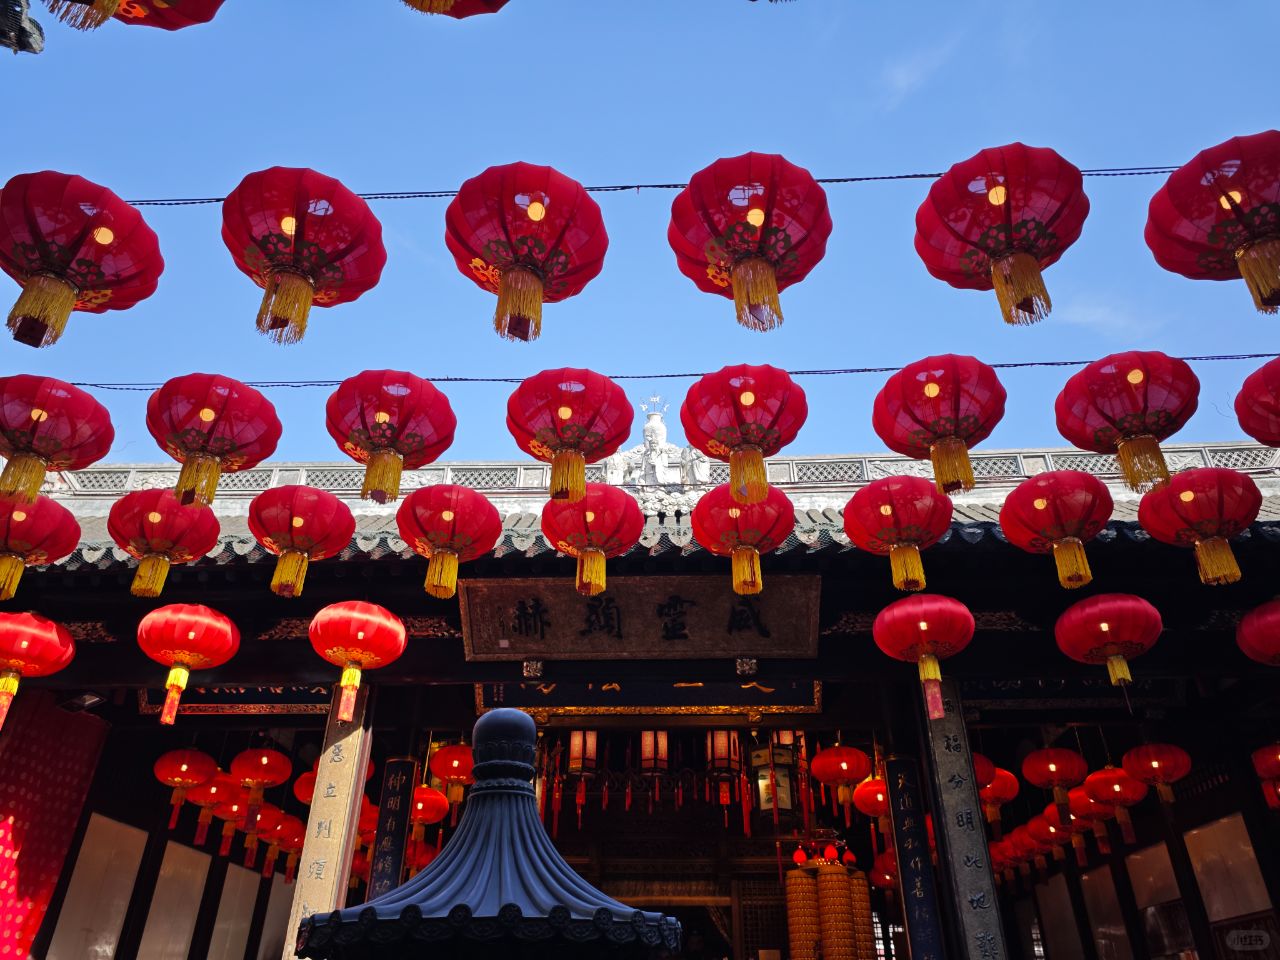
(745, 227)
(179, 14)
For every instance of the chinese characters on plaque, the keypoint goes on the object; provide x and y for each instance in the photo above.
(386, 865)
(915, 867)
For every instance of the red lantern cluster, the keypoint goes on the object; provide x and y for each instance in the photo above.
(922, 630)
(898, 516)
(448, 525)
(47, 425)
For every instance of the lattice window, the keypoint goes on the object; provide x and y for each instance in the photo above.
(719, 473)
(764, 917)
(996, 467)
(595, 473)
(486, 477)
(92, 481)
(245, 480)
(1097, 463)
(1243, 458)
(830, 471)
(335, 478)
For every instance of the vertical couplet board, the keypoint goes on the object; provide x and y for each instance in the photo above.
(399, 776)
(915, 868)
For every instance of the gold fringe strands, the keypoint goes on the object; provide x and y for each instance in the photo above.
(174, 685)
(1072, 563)
(568, 476)
(22, 477)
(1061, 801)
(290, 573)
(198, 479)
(1216, 562)
(1020, 289)
(1126, 824)
(148, 580)
(519, 313)
(906, 567)
(431, 6)
(591, 573)
(40, 316)
(931, 680)
(286, 304)
(83, 16)
(755, 294)
(382, 476)
(1165, 792)
(349, 683)
(1118, 671)
(442, 574)
(746, 571)
(952, 470)
(1259, 264)
(11, 567)
(1141, 462)
(8, 690)
(748, 481)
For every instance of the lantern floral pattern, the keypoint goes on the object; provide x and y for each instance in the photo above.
(154, 527)
(1057, 512)
(742, 532)
(47, 425)
(1109, 629)
(1203, 508)
(898, 517)
(299, 524)
(448, 525)
(606, 522)
(33, 535)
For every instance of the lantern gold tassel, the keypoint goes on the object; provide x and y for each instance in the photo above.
(931, 680)
(11, 567)
(591, 567)
(174, 684)
(1061, 801)
(905, 565)
(1259, 264)
(202, 826)
(519, 313)
(83, 16)
(431, 6)
(748, 482)
(1072, 563)
(198, 479)
(22, 477)
(382, 476)
(1118, 671)
(1165, 792)
(1126, 825)
(286, 304)
(951, 467)
(40, 316)
(1216, 562)
(349, 683)
(755, 294)
(1141, 462)
(568, 476)
(1020, 289)
(8, 690)
(290, 573)
(148, 580)
(442, 574)
(746, 571)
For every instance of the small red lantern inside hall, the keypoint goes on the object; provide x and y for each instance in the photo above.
(1203, 508)
(299, 524)
(1114, 786)
(186, 637)
(1110, 629)
(256, 769)
(356, 636)
(30, 646)
(452, 765)
(606, 522)
(1258, 634)
(841, 768)
(1057, 769)
(922, 630)
(47, 425)
(33, 535)
(448, 525)
(1058, 511)
(898, 516)
(1158, 765)
(742, 532)
(208, 796)
(1002, 789)
(182, 770)
(154, 527)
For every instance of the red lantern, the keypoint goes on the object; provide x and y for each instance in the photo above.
(529, 234)
(1158, 765)
(45, 425)
(1047, 834)
(884, 871)
(939, 408)
(606, 522)
(799, 858)
(389, 420)
(256, 769)
(182, 770)
(421, 856)
(1093, 812)
(1056, 769)
(458, 9)
(841, 767)
(452, 764)
(898, 516)
(356, 636)
(305, 239)
(748, 227)
(211, 425)
(30, 646)
(1057, 512)
(999, 218)
(167, 14)
(1266, 762)
(569, 418)
(448, 525)
(1002, 789)
(1203, 508)
(742, 414)
(1067, 824)
(984, 771)
(1258, 404)
(1125, 404)
(208, 796)
(232, 814)
(71, 245)
(186, 637)
(288, 831)
(1111, 629)
(429, 806)
(921, 630)
(1113, 786)
(33, 535)
(1258, 634)
(154, 527)
(304, 788)
(299, 524)
(1215, 217)
(742, 532)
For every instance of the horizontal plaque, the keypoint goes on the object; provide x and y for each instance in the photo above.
(652, 698)
(235, 700)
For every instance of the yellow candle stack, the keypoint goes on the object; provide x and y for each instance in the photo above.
(835, 913)
(803, 930)
(864, 933)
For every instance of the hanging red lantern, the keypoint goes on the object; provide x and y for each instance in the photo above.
(186, 637)
(208, 796)
(799, 858)
(1258, 404)
(458, 9)
(30, 646)
(1111, 629)
(841, 768)
(154, 527)
(606, 522)
(748, 227)
(256, 769)
(569, 418)
(448, 525)
(529, 234)
(211, 425)
(742, 532)
(1114, 786)
(1266, 762)
(167, 14)
(181, 770)
(304, 787)
(1093, 812)
(390, 421)
(884, 871)
(1203, 508)
(232, 813)
(996, 220)
(1002, 788)
(356, 636)
(1258, 634)
(1067, 824)
(305, 239)
(1215, 217)
(1158, 765)
(33, 535)
(742, 414)
(71, 245)
(262, 825)
(452, 765)
(940, 408)
(1048, 835)
(47, 425)
(429, 806)
(282, 837)
(1125, 404)
(1058, 511)
(984, 771)
(922, 630)
(898, 516)
(299, 524)
(1057, 769)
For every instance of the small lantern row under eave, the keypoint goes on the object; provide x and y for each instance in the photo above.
(47, 425)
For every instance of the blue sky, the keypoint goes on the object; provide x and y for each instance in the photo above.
(608, 91)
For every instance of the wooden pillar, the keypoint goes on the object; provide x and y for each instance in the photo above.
(1188, 886)
(325, 863)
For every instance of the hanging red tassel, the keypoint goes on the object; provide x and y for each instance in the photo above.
(604, 796)
(773, 787)
(745, 792)
(556, 801)
(580, 798)
(627, 805)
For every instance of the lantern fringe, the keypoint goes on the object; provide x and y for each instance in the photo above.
(755, 294)
(349, 683)
(382, 476)
(591, 573)
(1102, 837)
(11, 567)
(149, 578)
(286, 304)
(906, 567)
(1141, 462)
(1165, 792)
(174, 685)
(568, 476)
(992, 811)
(1259, 265)
(1118, 671)
(202, 826)
(290, 574)
(1216, 562)
(442, 574)
(8, 690)
(198, 479)
(175, 801)
(1082, 852)
(1061, 801)
(22, 477)
(228, 834)
(931, 680)
(431, 6)
(1126, 825)
(519, 313)
(748, 481)
(1072, 563)
(1020, 289)
(746, 571)
(40, 316)
(83, 17)
(951, 467)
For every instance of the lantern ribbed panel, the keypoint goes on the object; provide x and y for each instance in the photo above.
(803, 931)
(864, 933)
(835, 913)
